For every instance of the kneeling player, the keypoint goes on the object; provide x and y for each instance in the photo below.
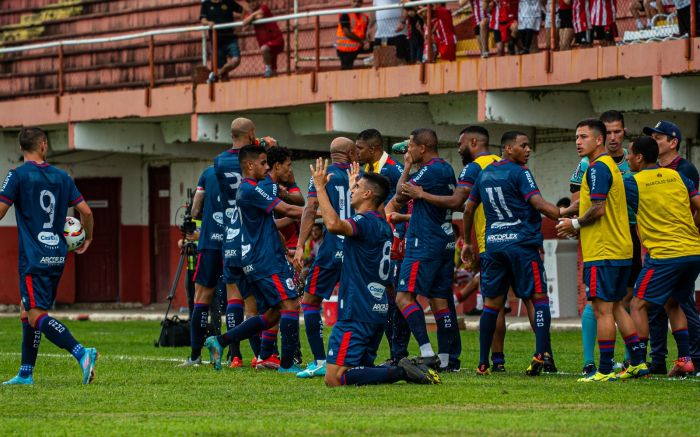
(352, 347)
(672, 238)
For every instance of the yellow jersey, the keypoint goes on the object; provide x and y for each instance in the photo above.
(608, 238)
(661, 199)
(466, 179)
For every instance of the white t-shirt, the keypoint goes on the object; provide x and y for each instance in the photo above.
(388, 19)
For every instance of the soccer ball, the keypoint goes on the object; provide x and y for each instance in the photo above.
(74, 233)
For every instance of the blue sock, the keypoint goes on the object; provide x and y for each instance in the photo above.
(268, 338)
(198, 328)
(456, 347)
(58, 334)
(289, 336)
(607, 355)
(543, 320)
(314, 330)
(643, 344)
(399, 331)
(589, 333)
(255, 344)
(372, 375)
(498, 358)
(234, 317)
(683, 342)
(444, 322)
(487, 327)
(415, 318)
(31, 338)
(632, 346)
(243, 331)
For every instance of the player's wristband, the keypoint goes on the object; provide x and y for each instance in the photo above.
(575, 224)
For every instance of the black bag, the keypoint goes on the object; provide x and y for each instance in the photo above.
(174, 332)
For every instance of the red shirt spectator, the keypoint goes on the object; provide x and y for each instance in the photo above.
(444, 33)
(269, 36)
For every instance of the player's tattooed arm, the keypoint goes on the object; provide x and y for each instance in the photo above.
(330, 218)
(568, 227)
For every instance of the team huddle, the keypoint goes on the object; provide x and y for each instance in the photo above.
(389, 238)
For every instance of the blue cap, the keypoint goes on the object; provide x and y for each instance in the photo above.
(664, 128)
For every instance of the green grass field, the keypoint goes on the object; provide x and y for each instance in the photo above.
(139, 390)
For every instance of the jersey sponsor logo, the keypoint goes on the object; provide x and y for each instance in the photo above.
(447, 227)
(245, 249)
(659, 182)
(218, 217)
(53, 260)
(232, 233)
(248, 269)
(593, 178)
(217, 237)
(530, 180)
(338, 254)
(380, 308)
(420, 173)
(230, 253)
(48, 238)
(6, 181)
(499, 238)
(451, 245)
(503, 225)
(232, 213)
(376, 290)
(290, 283)
(263, 193)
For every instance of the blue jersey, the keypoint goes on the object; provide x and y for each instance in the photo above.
(262, 253)
(392, 170)
(211, 233)
(41, 194)
(505, 189)
(686, 168)
(430, 228)
(330, 254)
(366, 267)
(228, 172)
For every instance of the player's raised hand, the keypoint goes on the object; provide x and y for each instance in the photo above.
(270, 142)
(320, 173)
(412, 191)
(353, 173)
(407, 160)
(83, 247)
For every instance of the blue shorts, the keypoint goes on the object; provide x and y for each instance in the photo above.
(394, 273)
(271, 290)
(210, 266)
(607, 283)
(659, 281)
(518, 267)
(38, 291)
(235, 275)
(229, 49)
(353, 344)
(321, 281)
(429, 278)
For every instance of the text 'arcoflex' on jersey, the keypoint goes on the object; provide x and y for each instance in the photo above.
(466, 179)
(505, 188)
(430, 227)
(330, 254)
(41, 195)
(212, 231)
(366, 270)
(228, 172)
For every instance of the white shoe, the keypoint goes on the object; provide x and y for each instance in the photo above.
(190, 363)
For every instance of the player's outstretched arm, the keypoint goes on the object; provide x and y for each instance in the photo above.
(454, 202)
(543, 207)
(330, 218)
(307, 220)
(87, 220)
(284, 209)
(4, 207)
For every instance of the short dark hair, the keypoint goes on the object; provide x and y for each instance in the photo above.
(612, 116)
(510, 136)
(594, 124)
(277, 154)
(379, 184)
(30, 137)
(371, 135)
(647, 147)
(250, 152)
(426, 137)
(564, 202)
(478, 130)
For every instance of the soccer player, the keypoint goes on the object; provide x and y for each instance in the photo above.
(325, 270)
(264, 264)
(474, 148)
(671, 235)
(607, 251)
(512, 206)
(41, 195)
(209, 267)
(370, 152)
(668, 137)
(352, 347)
(615, 126)
(428, 264)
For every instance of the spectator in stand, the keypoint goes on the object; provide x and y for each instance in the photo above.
(228, 52)
(313, 243)
(481, 24)
(388, 28)
(494, 7)
(269, 36)
(683, 14)
(508, 23)
(565, 25)
(443, 32)
(414, 25)
(582, 22)
(603, 21)
(351, 36)
(529, 22)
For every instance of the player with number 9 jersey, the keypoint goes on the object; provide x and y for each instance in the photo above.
(228, 172)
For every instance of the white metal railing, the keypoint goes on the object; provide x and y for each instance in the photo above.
(200, 28)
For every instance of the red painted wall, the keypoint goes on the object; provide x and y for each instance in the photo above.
(135, 264)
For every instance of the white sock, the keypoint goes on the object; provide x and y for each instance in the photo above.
(444, 359)
(426, 350)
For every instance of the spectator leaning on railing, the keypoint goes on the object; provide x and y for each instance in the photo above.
(351, 36)
(683, 14)
(389, 30)
(413, 23)
(269, 36)
(228, 52)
